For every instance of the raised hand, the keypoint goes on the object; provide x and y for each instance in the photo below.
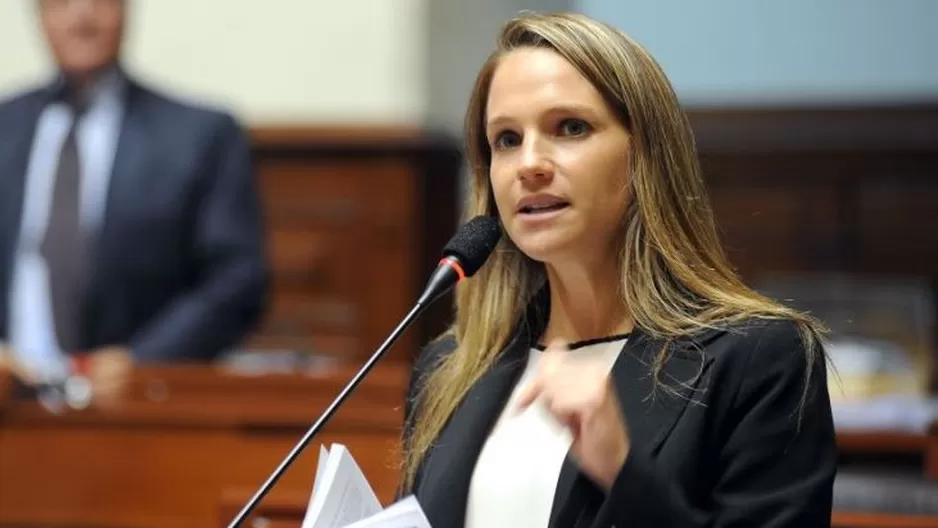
(580, 395)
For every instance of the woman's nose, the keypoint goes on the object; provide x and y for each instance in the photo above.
(535, 161)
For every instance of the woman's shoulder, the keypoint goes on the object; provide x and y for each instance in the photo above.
(757, 333)
(767, 352)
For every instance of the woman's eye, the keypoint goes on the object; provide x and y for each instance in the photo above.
(506, 140)
(574, 127)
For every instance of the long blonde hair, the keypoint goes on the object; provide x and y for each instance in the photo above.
(675, 277)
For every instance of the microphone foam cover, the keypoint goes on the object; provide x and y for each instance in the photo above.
(473, 243)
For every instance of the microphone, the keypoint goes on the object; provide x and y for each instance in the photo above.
(463, 255)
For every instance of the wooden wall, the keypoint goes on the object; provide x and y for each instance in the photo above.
(825, 190)
(356, 220)
(189, 445)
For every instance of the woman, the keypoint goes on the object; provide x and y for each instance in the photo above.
(606, 366)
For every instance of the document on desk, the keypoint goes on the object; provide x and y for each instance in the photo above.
(343, 498)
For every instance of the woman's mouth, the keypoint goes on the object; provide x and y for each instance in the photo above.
(545, 208)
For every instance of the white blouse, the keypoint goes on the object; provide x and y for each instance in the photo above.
(516, 474)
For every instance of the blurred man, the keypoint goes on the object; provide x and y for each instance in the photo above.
(130, 226)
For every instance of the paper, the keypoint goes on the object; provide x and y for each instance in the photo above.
(405, 513)
(343, 498)
(320, 470)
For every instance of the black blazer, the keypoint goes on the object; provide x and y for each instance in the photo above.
(179, 268)
(728, 452)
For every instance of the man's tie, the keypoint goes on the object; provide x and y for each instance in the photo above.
(64, 246)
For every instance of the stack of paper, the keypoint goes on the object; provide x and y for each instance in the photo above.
(342, 498)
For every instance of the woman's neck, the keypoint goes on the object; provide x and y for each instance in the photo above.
(585, 304)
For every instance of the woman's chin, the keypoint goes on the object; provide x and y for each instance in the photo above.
(543, 247)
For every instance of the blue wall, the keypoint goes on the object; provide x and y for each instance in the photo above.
(740, 52)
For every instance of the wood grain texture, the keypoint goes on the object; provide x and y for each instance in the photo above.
(875, 520)
(356, 219)
(186, 437)
(826, 190)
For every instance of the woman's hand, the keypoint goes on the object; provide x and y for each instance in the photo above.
(580, 395)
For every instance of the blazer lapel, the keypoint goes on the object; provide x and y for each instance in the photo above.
(650, 412)
(444, 487)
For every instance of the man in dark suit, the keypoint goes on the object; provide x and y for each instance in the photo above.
(130, 226)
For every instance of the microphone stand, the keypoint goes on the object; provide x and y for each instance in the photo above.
(418, 308)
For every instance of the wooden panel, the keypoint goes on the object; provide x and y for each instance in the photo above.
(356, 219)
(795, 218)
(861, 442)
(300, 190)
(282, 510)
(287, 511)
(885, 210)
(193, 443)
(189, 435)
(843, 190)
(872, 520)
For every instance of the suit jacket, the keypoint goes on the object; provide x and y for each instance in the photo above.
(179, 268)
(726, 451)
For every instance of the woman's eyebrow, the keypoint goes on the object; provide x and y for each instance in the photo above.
(558, 108)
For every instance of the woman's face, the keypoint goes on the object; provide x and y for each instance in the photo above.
(560, 158)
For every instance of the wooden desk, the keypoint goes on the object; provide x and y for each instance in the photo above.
(894, 443)
(885, 442)
(193, 443)
(188, 436)
(864, 520)
(287, 512)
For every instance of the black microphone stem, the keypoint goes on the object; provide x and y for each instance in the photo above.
(301, 445)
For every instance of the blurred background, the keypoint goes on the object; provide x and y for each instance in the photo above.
(817, 123)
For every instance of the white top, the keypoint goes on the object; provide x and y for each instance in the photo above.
(516, 474)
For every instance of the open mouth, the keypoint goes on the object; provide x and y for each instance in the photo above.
(543, 208)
